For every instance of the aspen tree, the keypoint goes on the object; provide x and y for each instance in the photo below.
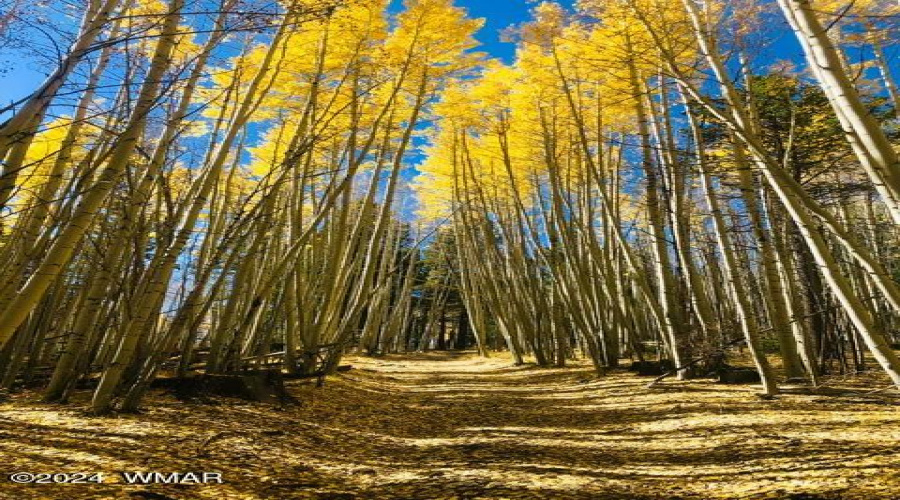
(60, 252)
(24, 122)
(797, 204)
(874, 151)
(730, 266)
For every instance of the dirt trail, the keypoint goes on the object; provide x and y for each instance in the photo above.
(444, 426)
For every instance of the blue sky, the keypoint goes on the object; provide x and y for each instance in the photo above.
(498, 14)
(24, 75)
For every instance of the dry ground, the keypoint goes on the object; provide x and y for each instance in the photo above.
(443, 426)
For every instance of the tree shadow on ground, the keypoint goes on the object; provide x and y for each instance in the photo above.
(449, 425)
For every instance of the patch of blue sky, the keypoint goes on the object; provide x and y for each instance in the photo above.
(25, 69)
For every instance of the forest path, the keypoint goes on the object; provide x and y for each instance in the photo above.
(445, 426)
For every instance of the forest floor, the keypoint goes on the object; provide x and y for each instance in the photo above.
(455, 426)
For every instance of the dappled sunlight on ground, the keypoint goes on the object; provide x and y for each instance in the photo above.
(458, 426)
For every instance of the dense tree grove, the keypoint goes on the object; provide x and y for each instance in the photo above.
(198, 184)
